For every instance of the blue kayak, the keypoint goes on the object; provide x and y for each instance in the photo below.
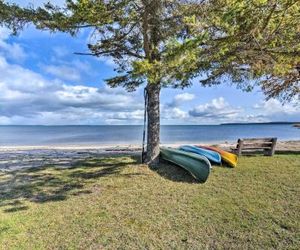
(209, 154)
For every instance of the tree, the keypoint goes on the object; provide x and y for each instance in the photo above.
(162, 43)
(255, 40)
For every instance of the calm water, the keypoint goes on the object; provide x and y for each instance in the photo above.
(100, 135)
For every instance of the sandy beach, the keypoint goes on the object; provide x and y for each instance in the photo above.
(18, 157)
(290, 145)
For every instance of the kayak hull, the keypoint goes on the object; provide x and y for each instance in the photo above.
(198, 166)
(229, 158)
(212, 156)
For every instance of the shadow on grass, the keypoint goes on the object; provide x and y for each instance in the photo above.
(287, 152)
(279, 152)
(56, 183)
(173, 172)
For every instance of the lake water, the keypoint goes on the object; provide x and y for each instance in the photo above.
(121, 135)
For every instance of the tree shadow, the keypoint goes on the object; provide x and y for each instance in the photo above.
(51, 183)
(287, 152)
(173, 172)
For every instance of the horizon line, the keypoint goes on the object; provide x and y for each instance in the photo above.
(229, 123)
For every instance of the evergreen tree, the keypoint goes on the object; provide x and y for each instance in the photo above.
(167, 43)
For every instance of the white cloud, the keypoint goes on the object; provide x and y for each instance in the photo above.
(28, 98)
(220, 111)
(82, 66)
(70, 71)
(274, 110)
(184, 97)
(12, 51)
(63, 72)
(177, 113)
(274, 106)
(170, 112)
(180, 99)
(173, 114)
(133, 117)
(217, 109)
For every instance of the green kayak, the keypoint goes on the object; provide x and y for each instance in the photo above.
(197, 165)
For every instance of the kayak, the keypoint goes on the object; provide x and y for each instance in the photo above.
(197, 165)
(230, 158)
(209, 154)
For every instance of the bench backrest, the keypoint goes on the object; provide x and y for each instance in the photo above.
(255, 144)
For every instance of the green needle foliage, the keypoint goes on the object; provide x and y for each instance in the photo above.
(171, 42)
(252, 40)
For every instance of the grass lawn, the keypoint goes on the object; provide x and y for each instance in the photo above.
(110, 203)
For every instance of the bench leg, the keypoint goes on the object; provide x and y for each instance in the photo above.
(239, 147)
(272, 150)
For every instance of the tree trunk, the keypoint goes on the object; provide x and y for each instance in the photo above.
(153, 129)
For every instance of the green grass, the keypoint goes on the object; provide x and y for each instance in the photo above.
(111, 203)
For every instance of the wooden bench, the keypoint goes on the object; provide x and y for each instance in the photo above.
(254, 145)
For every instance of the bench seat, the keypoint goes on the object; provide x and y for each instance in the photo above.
(252, 145)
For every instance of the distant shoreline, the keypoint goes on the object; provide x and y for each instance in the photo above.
(262, 123)
(120, 125)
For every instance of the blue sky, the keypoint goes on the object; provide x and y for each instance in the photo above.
(43, 82)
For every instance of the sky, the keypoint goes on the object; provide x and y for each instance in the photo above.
(42, 82)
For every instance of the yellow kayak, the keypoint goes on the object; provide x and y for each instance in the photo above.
(230, 158)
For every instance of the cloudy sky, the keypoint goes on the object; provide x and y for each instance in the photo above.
(43, 82)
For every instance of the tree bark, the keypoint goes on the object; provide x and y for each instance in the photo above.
(153, 128)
